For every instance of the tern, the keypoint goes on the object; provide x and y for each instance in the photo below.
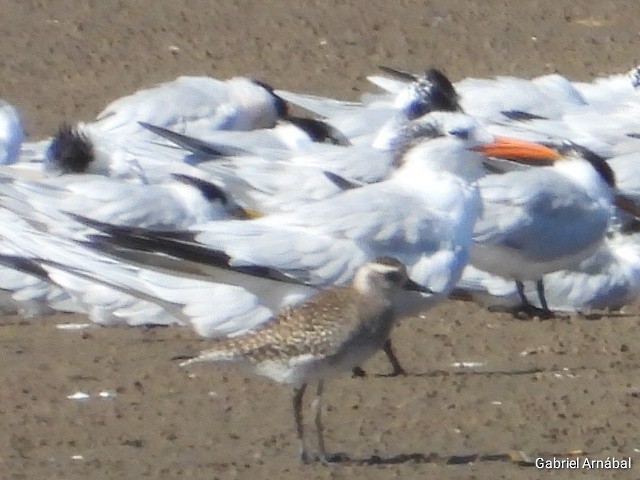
(422, 214)
(542, 220)
(609, 279)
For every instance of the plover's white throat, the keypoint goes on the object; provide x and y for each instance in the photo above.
(335, 331)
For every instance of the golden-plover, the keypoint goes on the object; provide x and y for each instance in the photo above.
(334, 331)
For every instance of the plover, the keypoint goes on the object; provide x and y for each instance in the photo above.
(335, 331)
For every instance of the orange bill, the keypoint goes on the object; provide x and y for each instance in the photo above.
(520, 151)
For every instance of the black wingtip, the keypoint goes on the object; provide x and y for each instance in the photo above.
(630, 227)
(341, 182)
(210, 191)
(520, 115)
(24, 265)
(319, 131)
(104, 227)
(195, 145)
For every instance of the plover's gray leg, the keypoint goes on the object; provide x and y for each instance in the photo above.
(317, 412)
(396, 368)
(298, 394)
(395, 363)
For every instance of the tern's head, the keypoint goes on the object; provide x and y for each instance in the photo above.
(430, 92)
(565, 156)
(634, 76)
(382, 275)
(215, 195)
(456, 143)
(70, 151)
(281, 106)
(572, 151)
(444, 141)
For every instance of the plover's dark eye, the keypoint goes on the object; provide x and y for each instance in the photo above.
(394, 277)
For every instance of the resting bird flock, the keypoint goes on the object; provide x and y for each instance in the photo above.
(216, 182)
(295, 242)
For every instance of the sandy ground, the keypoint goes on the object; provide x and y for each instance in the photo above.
(544, 387)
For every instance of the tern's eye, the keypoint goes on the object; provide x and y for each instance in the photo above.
(461, 133)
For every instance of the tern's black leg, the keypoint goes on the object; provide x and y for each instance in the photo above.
(543, 300)
(523, 297)
(527, 307)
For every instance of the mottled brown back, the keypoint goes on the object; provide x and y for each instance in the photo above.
(318, 327)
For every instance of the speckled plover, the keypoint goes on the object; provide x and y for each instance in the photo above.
(335, 331)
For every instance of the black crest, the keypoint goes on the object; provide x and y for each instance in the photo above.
(443, 93)
(70, 151)
(597, 162)
(281, 106)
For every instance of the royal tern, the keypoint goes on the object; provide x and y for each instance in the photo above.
(179, 202)
(270, 181)
(546, 219)
(194, 105)
(600, 115)
(512, 98)
(609, 279)
(114, 292)
(423, 214)
(239, 103)
(362, 122)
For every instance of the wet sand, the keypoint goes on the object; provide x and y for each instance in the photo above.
(543, 387)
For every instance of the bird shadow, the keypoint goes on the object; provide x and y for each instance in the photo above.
(605, 315)
(464, 372)
(534, 313)
(417, 457)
